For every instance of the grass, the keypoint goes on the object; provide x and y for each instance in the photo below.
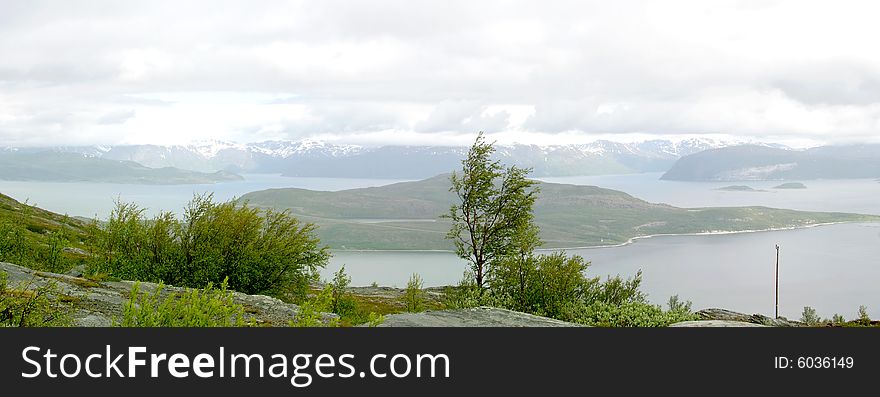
(380, 305)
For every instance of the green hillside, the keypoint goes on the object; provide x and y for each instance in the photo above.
(39, 239)
(406, 215)
(72, 167)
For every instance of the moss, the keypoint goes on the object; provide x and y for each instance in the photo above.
(82, 282)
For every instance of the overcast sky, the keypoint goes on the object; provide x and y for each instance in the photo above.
(435, 72)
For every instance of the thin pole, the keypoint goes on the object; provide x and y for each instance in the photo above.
(777, 280)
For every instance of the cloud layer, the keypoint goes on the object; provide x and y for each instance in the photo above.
(91, 72)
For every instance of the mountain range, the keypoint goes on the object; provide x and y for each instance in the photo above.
(311, 158)
(52, 166)
(752, 162)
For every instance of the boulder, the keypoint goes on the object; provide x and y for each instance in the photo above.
(715, 323)
(728, 315)
(475, 317)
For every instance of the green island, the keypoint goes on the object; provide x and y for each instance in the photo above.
(407, 215)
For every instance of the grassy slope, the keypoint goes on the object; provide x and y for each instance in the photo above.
(569, 215)
(39, 222)
(71, 167)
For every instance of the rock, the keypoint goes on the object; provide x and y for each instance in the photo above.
(715, 323)
(74, 250)
(77, 271)
(476, 317)
(95, 304)
(727, 315)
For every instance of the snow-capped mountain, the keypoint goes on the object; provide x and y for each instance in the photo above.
(316, 158)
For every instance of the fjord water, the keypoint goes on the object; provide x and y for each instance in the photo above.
(832, 268)
(842, 195)
(90, 199)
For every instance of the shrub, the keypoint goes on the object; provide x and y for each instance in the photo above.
(342, 303)
(414, 296)
(464, 295)
(32, 305)
(311, 311)
(837, 319)
(616, 290)
(676, 305)
(210, 307)
(809, 317)
(257, 251)
(628, 314)
(863, 319)
(543, 284)
(375, 319)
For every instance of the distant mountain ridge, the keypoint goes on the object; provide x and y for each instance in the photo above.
(313, 158)
(751, 163)
(48, 166)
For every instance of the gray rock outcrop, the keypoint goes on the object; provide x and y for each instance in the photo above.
(728, 315)
(95, 304)
(715, 323)
(476, 317)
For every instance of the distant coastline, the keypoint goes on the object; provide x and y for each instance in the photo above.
(633, 239)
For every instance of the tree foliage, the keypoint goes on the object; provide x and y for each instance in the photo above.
(809, 317)
(492, 217)
(414, 295)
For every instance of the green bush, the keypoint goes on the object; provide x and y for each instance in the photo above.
(676, 305)
(40, 248)
(258, 251)
(555, 286)
(13, 246)
(809, 317)
(343, 302)
(210, 307)
(414, 296)
(465, 295)
(32, 305)
(863, 318)
(311, 311)
(628, 314)
(616, 290)
(543, 284)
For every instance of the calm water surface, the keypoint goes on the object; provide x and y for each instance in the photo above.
(831, 268)
(91, 199)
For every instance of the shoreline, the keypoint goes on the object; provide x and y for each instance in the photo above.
(632, 240)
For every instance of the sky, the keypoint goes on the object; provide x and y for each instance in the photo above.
(377, 72)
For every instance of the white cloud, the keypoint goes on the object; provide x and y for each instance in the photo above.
(435, 72)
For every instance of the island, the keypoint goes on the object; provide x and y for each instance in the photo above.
(406, 215)
(791, 185)
(739, 188)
